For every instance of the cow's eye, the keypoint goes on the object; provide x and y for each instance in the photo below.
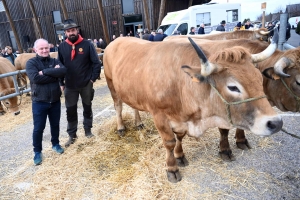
(6, 102)
(234, 89)
(297, 83)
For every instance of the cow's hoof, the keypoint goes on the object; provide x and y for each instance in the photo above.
(182, 162)
(243, 145)
(227, 156)
(140, 127)
(174, 177)
(121, 132)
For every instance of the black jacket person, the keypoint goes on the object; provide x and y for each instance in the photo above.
(83, 68)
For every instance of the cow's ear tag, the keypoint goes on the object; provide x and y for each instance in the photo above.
(194, 79)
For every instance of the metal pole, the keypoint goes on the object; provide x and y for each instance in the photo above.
(282, 30)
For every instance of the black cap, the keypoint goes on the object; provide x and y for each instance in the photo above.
(223, 22)
(69, 23)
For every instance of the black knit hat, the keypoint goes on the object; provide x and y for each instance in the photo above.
(223, 22)
(69, 23)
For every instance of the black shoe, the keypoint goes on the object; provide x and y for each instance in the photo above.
(88, 133)
(70, 141)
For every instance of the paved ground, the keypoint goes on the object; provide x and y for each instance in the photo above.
(294, 39)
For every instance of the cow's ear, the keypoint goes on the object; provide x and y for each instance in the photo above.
(270, 73)
(194, 73)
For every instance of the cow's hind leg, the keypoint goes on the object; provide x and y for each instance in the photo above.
(241, 140)
(179, 155)
(225, 151)
(169, 141)
(118, 107)
(138, 122)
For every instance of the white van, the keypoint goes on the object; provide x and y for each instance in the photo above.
(294, 21)
(211, 14)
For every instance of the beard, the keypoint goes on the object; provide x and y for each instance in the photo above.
(73, 38)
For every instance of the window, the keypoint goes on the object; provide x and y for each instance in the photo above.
(1, 7)
(128, 7)
(232, 15)
(183, 29)
(203, 18)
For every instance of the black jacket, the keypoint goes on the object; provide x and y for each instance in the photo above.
(201, 30)
(159, 37)
(84, 67)
(220, 28)
(45, 87)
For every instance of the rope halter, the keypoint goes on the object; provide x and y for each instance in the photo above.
(228, 104)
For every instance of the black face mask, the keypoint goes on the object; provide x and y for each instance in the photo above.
(73, 38)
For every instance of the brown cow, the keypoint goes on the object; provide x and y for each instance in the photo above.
(20, 64)
(150, 77)
(281, 84)
(7, 87)
(260, 34)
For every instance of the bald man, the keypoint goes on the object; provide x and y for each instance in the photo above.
(44, 73)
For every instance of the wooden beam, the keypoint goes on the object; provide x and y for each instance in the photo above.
(37, 23)
(190, 3)
(12, 26)
(65, 12)
(146, 14)
(103, 20)
(161, 11)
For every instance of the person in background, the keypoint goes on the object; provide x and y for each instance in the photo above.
(102, 44)
(44, 73)
(10, 55)
(221, 27)
(239, 27)
(248, 25)
(146, 34)
(159, 36)
(298, 28)
(151, 37)
(83, 68)
(192, 31)
(201, 29)
(52, 49)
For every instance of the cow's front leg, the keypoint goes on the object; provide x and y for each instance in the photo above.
(169, 141)
(225, 151)
(179, 155)
(240, 140)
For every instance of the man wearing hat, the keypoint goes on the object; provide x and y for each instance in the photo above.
(221, 27)
(83, 68)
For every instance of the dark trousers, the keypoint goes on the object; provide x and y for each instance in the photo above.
(40, 111)
(71, 98)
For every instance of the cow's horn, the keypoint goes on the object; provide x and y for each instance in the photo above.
(206, 68)
(264, 32)
(268, 51)
(280, 65)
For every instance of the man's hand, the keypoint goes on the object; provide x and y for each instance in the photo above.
(57, 66)
(41, 73)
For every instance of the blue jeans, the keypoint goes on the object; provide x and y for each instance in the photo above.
(40, 111)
